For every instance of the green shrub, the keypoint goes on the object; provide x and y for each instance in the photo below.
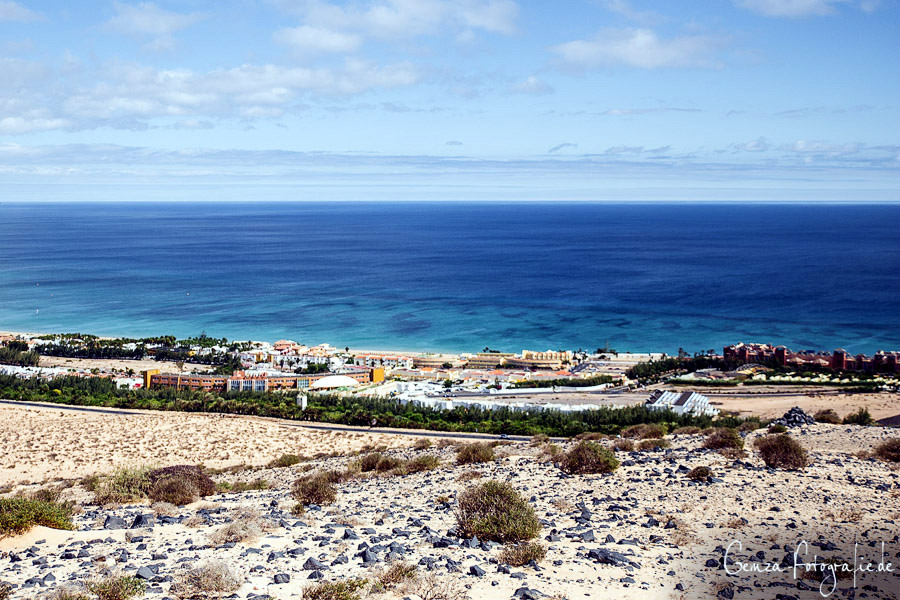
(781, 452)
(424, 462)
(827, 416)
(285, 460)
(650, 444)
(116, 587)
(522, 554)
(777, 428)
(314, 489)
(18, 515)
(494, 511)
(588, 457)
(476, 452)
(860, 417)
(645, 431)
(699, 473)
(335, 590)
(723, 437)
(129, 484)
(889, 450)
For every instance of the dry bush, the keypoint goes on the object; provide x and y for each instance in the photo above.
(396, 574)
(781, 452)
(495, 511)
(888, 450)
(699, 473)
(723, 437)
(65, 592)
(650, 444)
(447, 443)
(550, 452)
(176, 490)
(424, 462)
(469, 475)
(750, 426)
(645, 431)
(588, 457)
(860, 417)
(247, 524)
(539, 439)
(732, 453)
(314, 489)
(827, 416)
(370, 462)
(422, 444)
(591, 436)
(845, 514)
(522, 554)
(195, 522)
(192, 473)
(476, 452)
(686, 431)
(164, 509)
(623, 444)
(777, 428)
(205, 581)
(239, 487)
(736, 523)
(431, 586)
(562, 505)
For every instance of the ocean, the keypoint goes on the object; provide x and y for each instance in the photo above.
(459, 276)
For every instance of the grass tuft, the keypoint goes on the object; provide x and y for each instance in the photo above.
(522, 554)
(476, 452)
(495, 511)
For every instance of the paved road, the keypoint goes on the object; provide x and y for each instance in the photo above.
(288, 423)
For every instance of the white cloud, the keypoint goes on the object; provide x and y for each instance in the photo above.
(758, 145)
(19, 125)
(532, 86)
(640, 48)
(148, 19)
(791, 8)
(626, 112)
(624, 8)
(387, 19)
(562, 146)
(306, 39)
(13, 11)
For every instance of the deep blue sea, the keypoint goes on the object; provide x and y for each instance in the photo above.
(459, 277)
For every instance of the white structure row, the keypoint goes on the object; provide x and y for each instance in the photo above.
(681, 403)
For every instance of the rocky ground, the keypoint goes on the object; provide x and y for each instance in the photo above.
(644, 531)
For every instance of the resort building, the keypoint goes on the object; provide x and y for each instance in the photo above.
(529, 359)
(488, 360)
(388, 361)
(681, 403)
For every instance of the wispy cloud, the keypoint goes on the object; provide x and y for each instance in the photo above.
(758, 145)
(620, 112)
(531, 85)
(625, 9)
(146, 18)
(13, 11)
(313, 40)
(641, 48)
(562, 146)
(791, 8)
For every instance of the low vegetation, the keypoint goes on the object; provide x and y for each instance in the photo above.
(827, 416)
(653, 444)
(623, 444)
(246, 524)
(495, 511)
(116, 587)
(889, 450)
(238, 487)
(476, 452)
(645, 431)
(315, 488)
(399, 572)
(18, 515)
(285, 460)
(211, 579)
(699, 473)
(860, 417)
(522, 554)
(128, 484)
(722, 438)
(781, 452)
(348, 589)
(588, 457)
(777, 428)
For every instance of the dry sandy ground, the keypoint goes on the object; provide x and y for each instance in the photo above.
(113, 365)
(38, 444)
(666, 534)
(881, 405)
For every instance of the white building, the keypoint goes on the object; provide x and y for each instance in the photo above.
(681, 403)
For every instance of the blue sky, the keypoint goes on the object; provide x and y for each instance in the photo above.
(766, 100)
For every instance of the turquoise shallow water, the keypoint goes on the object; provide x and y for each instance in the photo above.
(459, 276)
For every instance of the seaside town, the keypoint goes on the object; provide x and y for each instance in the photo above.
(564, 380)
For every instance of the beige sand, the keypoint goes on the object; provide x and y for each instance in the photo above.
(38, 444)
